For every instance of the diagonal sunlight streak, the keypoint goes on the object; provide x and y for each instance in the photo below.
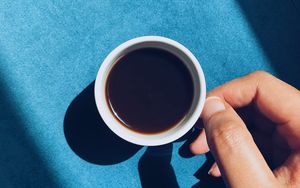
(20, 158)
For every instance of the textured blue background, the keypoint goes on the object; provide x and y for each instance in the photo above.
(50, 52)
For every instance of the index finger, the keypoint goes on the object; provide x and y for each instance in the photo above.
(277, 100)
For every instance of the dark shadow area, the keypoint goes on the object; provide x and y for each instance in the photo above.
(20, 162)
(89, 137)
(297, 5)
(155, 168)
(184, 150)
(276, 26)
(206, 180)
(262, 130)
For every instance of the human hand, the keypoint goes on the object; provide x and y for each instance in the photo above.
(275, 132)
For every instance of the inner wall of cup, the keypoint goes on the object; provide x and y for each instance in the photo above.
(193, 71)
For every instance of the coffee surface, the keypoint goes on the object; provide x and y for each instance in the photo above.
(149, 90)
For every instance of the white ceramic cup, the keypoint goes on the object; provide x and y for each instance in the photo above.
(183, 126)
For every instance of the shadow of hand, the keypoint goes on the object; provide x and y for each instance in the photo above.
(155, 168)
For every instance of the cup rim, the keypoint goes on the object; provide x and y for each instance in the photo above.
(109, 119)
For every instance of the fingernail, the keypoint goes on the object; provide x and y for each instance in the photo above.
(212, 106)
(209, 172)
(212, 168)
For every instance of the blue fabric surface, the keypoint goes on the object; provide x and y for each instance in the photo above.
(50, 52)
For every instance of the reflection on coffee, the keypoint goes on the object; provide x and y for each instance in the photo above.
(149, 90)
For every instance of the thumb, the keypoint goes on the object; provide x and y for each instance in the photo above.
(240, 161)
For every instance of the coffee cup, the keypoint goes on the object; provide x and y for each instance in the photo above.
(111, 117)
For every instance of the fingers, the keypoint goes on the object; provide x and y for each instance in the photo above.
(277, 100)
(214, 170)
(233, 148)
(288, 174)
(199, 145)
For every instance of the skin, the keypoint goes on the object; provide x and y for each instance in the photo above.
(262, 153)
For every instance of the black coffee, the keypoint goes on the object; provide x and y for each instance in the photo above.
(149, 90)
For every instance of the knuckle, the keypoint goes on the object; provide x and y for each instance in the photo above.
(228, 136)
(286, 177)
(261, 74)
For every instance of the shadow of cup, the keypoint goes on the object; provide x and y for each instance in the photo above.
(155, 167)
(89, 137)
